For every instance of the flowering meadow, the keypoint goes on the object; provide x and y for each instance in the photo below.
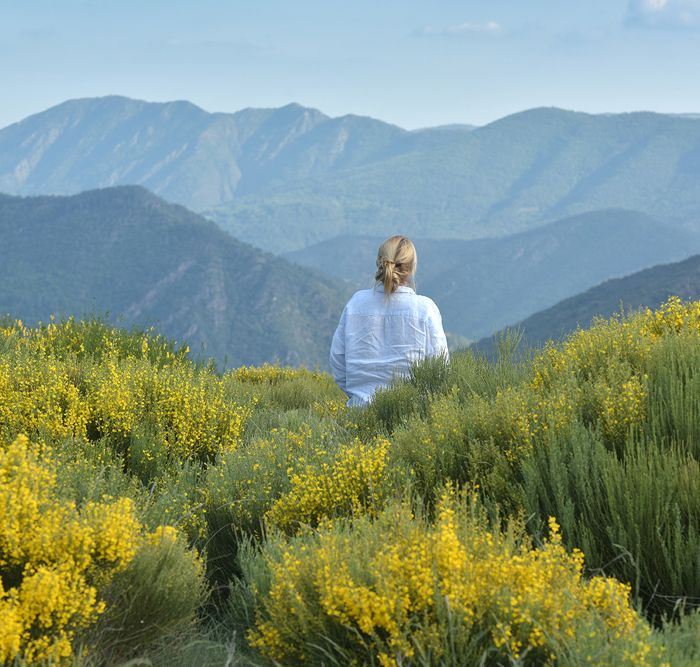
(542, 508)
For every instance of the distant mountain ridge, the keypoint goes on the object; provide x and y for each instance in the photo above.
(286, 178)
(147, 262)
(648, 288)
(486, 284)
(177, 150)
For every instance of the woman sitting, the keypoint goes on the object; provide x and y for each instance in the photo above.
(385, 329)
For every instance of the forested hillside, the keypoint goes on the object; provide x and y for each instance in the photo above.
(126, 253)
(645, 289)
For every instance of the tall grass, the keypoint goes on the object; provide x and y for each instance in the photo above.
(636, 518)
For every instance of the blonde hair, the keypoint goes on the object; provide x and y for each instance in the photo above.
(396, 263)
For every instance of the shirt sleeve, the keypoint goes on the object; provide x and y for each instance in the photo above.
(337, 356)
(437, 341)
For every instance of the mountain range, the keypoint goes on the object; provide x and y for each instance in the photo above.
(509, 218)
(127, 254)
(286, 178)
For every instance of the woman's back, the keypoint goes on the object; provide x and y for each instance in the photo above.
(381, 334)
(378, 338)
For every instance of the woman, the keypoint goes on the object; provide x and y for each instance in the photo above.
(383, 330)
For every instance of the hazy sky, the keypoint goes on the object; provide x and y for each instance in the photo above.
(411, 62)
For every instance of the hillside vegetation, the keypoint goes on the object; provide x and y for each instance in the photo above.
(178, 150)
(127, 253)
(517, 512)
(645, 289)
(283, 179)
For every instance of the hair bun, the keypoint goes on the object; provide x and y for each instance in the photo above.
(396, 263)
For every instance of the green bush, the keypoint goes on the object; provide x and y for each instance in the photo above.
(636, 518)
(673, 400)
(444, 447)
(156, 597)
(679, 639)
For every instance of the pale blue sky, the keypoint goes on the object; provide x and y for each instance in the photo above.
(411, 62)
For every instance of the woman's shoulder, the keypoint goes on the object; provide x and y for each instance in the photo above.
(362, 294)
(426, 302)
(360, 297)
(372, 295)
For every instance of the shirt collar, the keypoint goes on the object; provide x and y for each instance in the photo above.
(401, 288)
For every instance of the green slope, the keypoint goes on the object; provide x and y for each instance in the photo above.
(509, 176)
(147, 262)
(178, 150)
(648, 288)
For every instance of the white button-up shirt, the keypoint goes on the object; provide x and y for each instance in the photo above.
(378, 339)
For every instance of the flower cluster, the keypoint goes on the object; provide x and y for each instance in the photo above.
(597, 374)
(506, 418)
(268, 373)
(674, 315)
(185, 409)
(55, 558)
(353, 483)
(398, 588)
(91, 338)
(38, 396)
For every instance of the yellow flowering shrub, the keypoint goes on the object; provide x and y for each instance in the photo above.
(267, 373)
(113, 396)
(353, 482)
(90, 338)
(296, 477)
(674, 315)
(400, 591)
(186, 407)
(37, 396)
(504, 418)
(50, 387)
(599, 374)
(622, 405)
(244, 484)
(10, 628)
(55, 559)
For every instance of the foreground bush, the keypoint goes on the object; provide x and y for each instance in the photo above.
(59, 562)
(402, 591)
(637, 518)
(600, 431)
(288, 480)
(622, 472)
